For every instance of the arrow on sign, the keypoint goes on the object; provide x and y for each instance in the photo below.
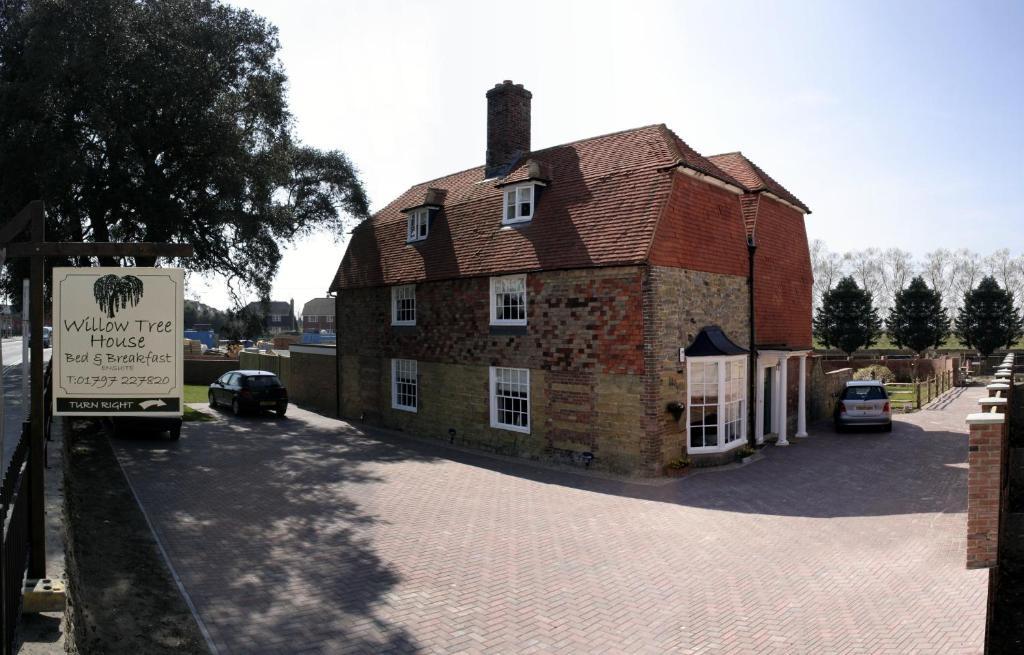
(146, 404)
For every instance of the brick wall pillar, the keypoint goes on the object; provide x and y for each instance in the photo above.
(987, 448)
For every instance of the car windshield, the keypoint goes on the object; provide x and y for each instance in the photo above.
(262, 381)
(866, 392)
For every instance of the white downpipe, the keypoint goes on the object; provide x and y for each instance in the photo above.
(783, 383)
(801, 412)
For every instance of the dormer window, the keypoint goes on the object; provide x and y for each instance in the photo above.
(518, 204)
(418, 225)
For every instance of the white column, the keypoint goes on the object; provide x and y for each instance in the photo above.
(759, 406)
(801, 411)
(783, 383)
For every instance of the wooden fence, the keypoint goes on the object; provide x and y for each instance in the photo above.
(908, 396)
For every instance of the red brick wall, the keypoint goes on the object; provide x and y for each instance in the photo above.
(782, 277)
(701, 229)
(984, 491)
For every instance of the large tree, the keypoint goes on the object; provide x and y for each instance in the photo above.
(161, 120)
(918, 320)
(847, 318)
(988, 319)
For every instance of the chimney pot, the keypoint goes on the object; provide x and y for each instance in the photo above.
(508, 127)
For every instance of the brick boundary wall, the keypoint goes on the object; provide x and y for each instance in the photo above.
(987, 473)
(984, 489)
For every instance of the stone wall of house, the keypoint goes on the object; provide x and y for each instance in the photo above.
(685, 301)
(583, 346)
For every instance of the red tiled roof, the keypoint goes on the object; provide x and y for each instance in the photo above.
(601, 208)
(752, 177)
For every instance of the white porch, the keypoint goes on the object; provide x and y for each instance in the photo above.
(772, 373)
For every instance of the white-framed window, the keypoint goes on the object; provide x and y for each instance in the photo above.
(716, 411)
(404, 385)
(518, 204)
(403, 305)
(510, 398)
(330, 319)
(418, 225)
(508, 300)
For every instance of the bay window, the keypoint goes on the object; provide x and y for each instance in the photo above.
(716, 411)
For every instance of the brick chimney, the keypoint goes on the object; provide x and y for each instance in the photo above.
(508, 126)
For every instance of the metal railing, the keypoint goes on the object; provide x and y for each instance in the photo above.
(14, 496)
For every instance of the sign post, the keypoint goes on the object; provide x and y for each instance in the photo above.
(36, 249)
(117, 341)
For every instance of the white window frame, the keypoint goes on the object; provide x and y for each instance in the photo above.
(396, 296)
(724, 411)
(495, 373)
(495, 282)
(517, 192)
(408, 364)
(417, 226)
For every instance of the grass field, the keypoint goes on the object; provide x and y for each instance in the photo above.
(195, 393)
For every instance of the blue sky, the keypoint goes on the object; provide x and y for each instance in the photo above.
(898, 123)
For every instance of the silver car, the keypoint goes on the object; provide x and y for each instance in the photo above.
(862, 404)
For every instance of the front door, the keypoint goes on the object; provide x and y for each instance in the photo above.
(769, 377)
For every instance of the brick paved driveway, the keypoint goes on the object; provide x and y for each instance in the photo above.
(305, 535)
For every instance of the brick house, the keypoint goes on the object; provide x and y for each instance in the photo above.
(317, 315)
(278, 315)
(619, 300)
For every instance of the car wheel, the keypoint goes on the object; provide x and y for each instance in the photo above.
(888, 427)
(236, 409)
(281, 411)
(175, 432)
(839, 427)
(213, 401)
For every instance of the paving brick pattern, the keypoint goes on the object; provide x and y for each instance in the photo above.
(305, 535)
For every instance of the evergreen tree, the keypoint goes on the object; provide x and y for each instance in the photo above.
(918, 320)
(847, 318)
(988, 319)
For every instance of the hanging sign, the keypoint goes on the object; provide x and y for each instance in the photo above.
(117, 341)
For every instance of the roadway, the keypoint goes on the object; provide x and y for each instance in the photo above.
(14, 407)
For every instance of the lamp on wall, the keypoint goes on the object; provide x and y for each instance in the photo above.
(676, 408)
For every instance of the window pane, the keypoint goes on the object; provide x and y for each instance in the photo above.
(511, 397)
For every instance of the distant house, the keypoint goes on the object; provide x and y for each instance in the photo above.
(619, 300)
(317, 315)
(278, 316)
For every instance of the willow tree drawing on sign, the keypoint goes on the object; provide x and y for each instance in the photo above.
(113, 292)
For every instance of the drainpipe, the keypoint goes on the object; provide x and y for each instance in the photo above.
(752, 372)
(337, 357)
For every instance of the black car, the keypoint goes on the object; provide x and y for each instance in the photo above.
(246, 390)
(129, 426)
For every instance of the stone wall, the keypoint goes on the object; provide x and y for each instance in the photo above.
(905, 369)
(206, 370)
(583, 346)
(577, 320)
(313, 378)
(823, 388)
(684, 302)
